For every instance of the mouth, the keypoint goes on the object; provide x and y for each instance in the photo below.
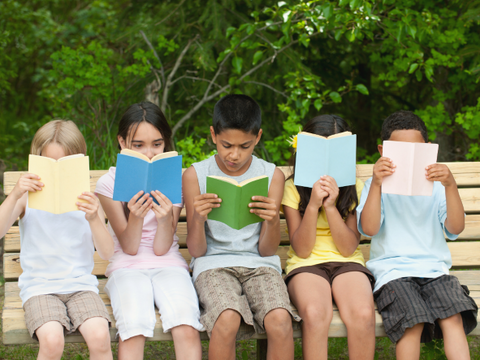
(230, 164)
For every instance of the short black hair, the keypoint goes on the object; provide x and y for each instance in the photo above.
(239, 112)
(403, 120)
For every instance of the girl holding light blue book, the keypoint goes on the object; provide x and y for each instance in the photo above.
(325, 260)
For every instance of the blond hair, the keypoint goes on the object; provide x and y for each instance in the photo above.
(62, 132)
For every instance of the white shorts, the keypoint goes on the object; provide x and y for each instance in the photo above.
(135, 292)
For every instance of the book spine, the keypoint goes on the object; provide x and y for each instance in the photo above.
(238, 217)
(148, 178)
(411, 169)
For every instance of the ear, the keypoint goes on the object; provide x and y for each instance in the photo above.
(121, 142)
(258, 136)
(212, 132)
(380, 149)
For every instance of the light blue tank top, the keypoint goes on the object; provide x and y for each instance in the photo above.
(227, 247)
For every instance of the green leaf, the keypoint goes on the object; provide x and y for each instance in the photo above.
(411, 30)
(335, 97)
(237, 64)
(413, 67)
(418, 74)
(306, 104)
(362, 89)
(429, 73)
(343, 2)
(327, 10)
(257, 56)
(230, 30)
(318, 104)
(354, 4)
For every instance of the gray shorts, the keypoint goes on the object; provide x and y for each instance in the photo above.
(408, 301)
(253, 293)
(70, 310)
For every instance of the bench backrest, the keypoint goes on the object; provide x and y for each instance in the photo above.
(465, 251)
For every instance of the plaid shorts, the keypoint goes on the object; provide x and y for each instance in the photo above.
(70, 310)
(253, 293)
(408, 301)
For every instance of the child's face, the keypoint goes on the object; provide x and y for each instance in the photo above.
(235, 149)
(147, 140)
(413, 136)
(54, 151)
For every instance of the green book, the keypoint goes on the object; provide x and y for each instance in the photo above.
(234, 210)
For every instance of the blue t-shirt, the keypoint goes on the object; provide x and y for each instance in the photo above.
(411, 240)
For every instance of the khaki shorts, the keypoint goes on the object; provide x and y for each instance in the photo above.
(253, 293)
(70, 310)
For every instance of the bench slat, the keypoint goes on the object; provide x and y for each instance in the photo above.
(464, 254)
(465, 173)
(471, 232)
(15, 332)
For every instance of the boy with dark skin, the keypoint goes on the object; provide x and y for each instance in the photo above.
(235, 145)
(416, 278)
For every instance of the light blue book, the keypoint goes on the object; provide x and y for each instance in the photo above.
(137, 172)
(317, 156)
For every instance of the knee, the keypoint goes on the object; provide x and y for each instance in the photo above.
(278, 323)
(314, 316)
(98, 340)
(227, 324)
(186, 332)
(362, 317)
(52, 344)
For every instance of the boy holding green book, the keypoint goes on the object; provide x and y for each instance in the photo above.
(236, 272)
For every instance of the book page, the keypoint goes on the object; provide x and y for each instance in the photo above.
(344, 133)
(43, 167)
(245, 182)
(164, 155)
(69, 157)
(425, 154)
(73, 179)
(136, 154)
(402, 155)
(223, 178)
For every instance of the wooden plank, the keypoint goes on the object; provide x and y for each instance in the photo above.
(465, 173)
(464, 254)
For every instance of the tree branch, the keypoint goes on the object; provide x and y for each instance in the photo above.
(156, 55)
(267, 86)
(168, 84)
(207, 97)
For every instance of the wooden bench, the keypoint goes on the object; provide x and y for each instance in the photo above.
(465, 255)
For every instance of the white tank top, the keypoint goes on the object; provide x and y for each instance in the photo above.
(56, 254)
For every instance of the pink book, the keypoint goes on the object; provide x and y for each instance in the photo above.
(410, 159)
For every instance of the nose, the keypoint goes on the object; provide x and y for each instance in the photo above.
(235, 153)
(150, 153)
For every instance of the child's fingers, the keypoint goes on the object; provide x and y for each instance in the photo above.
(207, 196)
(135, 197)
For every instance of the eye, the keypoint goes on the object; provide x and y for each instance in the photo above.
(245, 146)
(227, 146)
(158, 144)
(137, 146)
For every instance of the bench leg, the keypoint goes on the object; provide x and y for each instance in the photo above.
(262, 349)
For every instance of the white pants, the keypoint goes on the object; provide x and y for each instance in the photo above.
(135, 292)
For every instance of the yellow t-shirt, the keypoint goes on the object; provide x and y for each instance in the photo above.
(324, 249)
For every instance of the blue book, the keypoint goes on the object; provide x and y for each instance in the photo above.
(137, 172)
(317, 156)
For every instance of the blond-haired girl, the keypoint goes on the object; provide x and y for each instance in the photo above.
(58, 291)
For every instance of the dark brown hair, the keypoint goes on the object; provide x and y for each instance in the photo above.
(133, 117)
(326, 125)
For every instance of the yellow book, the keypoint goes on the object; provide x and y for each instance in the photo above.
(64, 180)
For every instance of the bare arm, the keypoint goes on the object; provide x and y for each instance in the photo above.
(129, 232)
(269, 209)
(455, 221)
(303, 231)
(344, 233)
(198, 206)
(371, 214)
(167, 218)
(96, 219)
(14, 205)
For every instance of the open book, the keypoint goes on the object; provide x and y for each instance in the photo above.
(317, 156)
(410, 159)
(65, 179)
(137, 172)
(234, 210)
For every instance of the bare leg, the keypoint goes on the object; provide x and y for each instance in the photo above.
(455, 340)
(96, 335)
(224, 334)
(408, 347)
(353, 295)
(278, 325)
(311, 294)
(51, 339)
(131, 349)
(187, 342)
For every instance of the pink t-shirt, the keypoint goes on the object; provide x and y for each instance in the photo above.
(145, 257)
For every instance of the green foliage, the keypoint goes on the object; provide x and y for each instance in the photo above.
(433, 350)
(191, 150)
